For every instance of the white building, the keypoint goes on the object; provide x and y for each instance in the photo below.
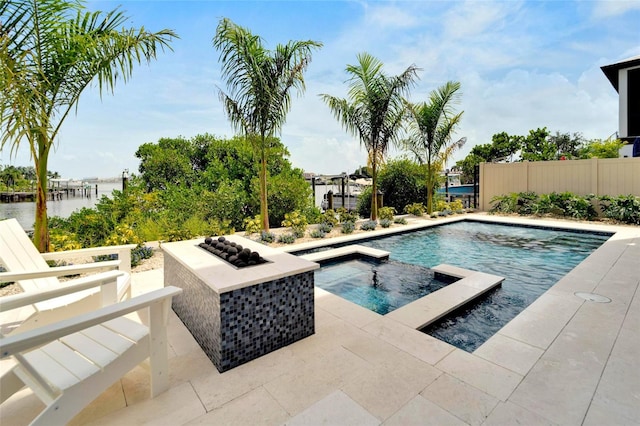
(625, 78)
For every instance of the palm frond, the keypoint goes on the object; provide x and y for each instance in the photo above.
(259, 80)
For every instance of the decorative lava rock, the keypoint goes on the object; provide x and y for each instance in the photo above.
(232, 252)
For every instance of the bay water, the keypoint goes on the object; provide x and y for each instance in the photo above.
(25, 212)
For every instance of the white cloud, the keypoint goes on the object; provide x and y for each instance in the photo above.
(611, 8)
(387, 17)
(474, 18)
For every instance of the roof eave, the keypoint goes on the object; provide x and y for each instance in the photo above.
(611, 71)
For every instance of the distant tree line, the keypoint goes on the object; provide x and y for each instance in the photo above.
(20, 178)
(538, 145)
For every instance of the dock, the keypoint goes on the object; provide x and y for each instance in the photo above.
(71, 189)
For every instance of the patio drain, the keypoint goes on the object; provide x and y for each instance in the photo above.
(592, 297)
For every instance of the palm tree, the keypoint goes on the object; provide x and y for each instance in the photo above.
(50, 51)
(431, 126)
(259, 83)
(374, 111)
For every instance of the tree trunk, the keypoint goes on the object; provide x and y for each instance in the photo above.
(374, 190)
(264, 210)
(430, 181)
(41, 227)
(429, 199)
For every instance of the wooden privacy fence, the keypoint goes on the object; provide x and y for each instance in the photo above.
(607, 176)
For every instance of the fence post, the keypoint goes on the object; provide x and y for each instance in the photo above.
(476, 185)
(594, 176)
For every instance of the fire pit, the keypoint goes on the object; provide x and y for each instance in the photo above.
(239, 313)
(232, 252)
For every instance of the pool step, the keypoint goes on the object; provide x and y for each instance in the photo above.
(451, 271)
(432, 307)
(346, 251)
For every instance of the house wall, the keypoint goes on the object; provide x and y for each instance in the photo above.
(628, 101)
(609, 176)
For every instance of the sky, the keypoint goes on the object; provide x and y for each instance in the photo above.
(521, 65)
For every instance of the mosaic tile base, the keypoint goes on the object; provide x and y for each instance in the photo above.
(244, 324)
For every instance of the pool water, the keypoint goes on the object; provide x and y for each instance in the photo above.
(531, 260)
(379, 286)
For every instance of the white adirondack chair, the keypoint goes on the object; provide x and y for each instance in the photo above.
(29, 268)
(69, 363)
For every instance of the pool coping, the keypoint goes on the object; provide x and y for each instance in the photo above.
(353, 250)
(469, 286)
(430, 308)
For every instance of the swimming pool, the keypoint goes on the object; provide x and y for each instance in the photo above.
(381, 286)
(531, 260)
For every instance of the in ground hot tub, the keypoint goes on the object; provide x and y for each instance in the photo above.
(239, 314)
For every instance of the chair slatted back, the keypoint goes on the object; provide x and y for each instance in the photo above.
(17, 254)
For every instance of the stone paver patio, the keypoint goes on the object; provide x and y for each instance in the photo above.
(563, 360)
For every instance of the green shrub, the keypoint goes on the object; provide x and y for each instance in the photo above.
(400, 220)
(415, 209)
(286, 192)
(218, 227)
(504, 203)
(580, 208)
(297, 222)
(252, 226)
(349, 217)
(363, 208)
(525, 203)
(625, 208)
(348, 227)
(123, 234)
(287, 238)
(325, 227)
(386, 213)
(149, 229)
(267, 237)
(441, 205)
(224, 203)
(318, 233)
(329, 217)
(456, 206)
(385, 223)
(174, 234)
(369, 225)
(140, 253)
(402, 181)
(543, 205)
(313, 214)
(62, 240)
(346, 216)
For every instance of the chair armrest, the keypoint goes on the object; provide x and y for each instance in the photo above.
(123, 251)
(59, 271)
(15, 344)
(8, 303)
(91, 251)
